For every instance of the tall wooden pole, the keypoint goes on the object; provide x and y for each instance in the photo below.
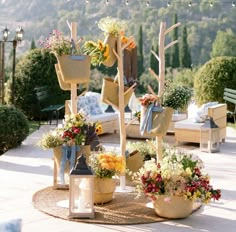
(121, 107)
(73, 93)
(161, 78)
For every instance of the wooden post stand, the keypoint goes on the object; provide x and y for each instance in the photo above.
(161, 77)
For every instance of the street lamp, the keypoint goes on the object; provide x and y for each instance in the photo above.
(18, 38)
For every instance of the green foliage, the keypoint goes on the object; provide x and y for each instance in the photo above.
(176, 96)
(14, 127)
(140, 52)
(224, 44)
(174, 57)
(32, 46)
(154, 64)
(185, 56)
(145, 80)
(183, 76)
(213, 77)
(36, 69)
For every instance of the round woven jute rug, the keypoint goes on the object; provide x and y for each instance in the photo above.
(124, 209)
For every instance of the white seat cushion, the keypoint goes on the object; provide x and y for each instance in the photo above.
(105, 117)
(188, 124)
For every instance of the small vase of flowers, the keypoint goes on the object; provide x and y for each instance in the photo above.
(105, 166)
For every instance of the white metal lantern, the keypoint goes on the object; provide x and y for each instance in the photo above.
(210, 136)
(81, 202)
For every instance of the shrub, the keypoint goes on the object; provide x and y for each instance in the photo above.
(14, 128)
(213, 77)
(36, 69)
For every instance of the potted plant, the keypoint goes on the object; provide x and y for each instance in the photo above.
(105, 166)
(175, 183)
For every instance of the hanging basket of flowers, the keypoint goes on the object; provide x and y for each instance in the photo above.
(111, 27)
(73, 65)
(74, 69)
(154, 119)
(110, 92)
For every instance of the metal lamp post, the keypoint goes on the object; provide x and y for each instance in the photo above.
(18, 38)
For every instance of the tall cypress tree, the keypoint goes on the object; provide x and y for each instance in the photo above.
(140, 52)
(184, 55)
(174, 57)
(154, 64)
(32, 46)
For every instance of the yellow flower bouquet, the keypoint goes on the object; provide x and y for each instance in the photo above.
(107, 164)
(99, 51)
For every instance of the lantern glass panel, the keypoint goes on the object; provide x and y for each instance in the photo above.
(210, 139)
(81, 196)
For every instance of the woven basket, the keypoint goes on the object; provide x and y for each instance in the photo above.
(74, 69)
(110, 92)
(160, 121)
(63, 85)
(103, 190)
(111, 41)
(174, 207)
(134, 162)
(85, 150)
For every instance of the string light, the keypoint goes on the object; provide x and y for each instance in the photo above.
(190, 4)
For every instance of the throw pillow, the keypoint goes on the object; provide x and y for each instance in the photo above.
(13, 225)
(202, 113)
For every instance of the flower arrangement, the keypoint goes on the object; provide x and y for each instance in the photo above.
(178, 174)
(124, 40)
(148, 99)
(57, 43)
(112, 25)
(75, 131)
(99, 52)
(107, 164)
(147, 152)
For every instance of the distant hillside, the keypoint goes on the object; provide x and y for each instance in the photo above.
(39, 17)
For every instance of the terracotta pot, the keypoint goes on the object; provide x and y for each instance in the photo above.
(74, 69)
(103, 190)
(175, 207)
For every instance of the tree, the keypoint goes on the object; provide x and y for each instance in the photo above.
(224, 44)
(185, 56)
(32, 46)
(140, 52)
(154, 64)
(174, 56)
